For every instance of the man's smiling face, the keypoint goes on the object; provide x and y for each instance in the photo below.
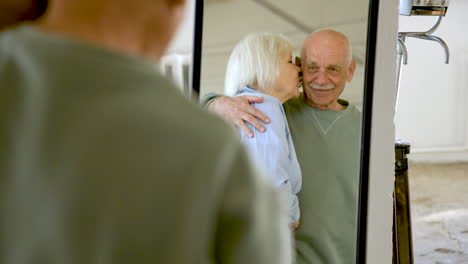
(326, 67)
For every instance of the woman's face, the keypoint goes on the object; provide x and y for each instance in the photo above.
(287, 83)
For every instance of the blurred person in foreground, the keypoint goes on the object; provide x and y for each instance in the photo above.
(102, 159)
(261, 64)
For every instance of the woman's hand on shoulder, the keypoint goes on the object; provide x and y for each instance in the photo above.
(237, 110)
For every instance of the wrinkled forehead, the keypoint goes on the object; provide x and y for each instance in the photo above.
(325, 55)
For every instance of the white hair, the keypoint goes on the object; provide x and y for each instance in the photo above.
(255, 62)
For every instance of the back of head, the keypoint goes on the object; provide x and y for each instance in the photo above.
(254, 62)
(13, 12)
(142, 28)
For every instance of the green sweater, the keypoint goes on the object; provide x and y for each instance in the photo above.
(328, 149)
(103, 161)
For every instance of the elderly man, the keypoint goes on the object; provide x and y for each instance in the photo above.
(326, 133)
(97, 166)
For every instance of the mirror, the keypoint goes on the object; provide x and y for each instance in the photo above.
(331, 144)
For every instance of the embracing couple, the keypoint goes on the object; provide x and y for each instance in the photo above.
(307, 143)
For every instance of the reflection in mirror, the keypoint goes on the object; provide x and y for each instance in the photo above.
(322, 131)
(176, 64)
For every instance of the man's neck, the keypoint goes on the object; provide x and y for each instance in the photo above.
(335, 106)
(104, 31)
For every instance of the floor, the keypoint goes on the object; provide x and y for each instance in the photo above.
(439, 208)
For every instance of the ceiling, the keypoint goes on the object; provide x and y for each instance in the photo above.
(228, 21)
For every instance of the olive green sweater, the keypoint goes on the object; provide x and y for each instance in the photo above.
(103, 161)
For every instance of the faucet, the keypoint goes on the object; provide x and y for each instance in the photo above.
(426, 35)
(403, 50)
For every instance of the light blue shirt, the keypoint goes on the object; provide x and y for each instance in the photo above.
(274, 150)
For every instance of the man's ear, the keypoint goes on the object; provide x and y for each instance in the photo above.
(351, 69)
(298, 62)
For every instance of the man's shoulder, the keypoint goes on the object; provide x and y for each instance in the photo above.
(167, 113)
(294, 105)
(354, 112)
(300, 100)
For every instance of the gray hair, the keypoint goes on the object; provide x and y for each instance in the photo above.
(255, 62)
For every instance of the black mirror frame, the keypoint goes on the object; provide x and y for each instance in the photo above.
(197, 46)
(361, 231)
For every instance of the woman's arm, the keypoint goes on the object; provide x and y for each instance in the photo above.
(237, 111)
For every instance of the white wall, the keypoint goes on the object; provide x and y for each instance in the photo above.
(382, 160)
(180, 52)
(432, 113)
(182, 42)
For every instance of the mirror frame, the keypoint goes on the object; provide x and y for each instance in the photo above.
(369, 71)
(197, 47)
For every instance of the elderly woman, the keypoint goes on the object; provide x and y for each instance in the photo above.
(261, 65)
